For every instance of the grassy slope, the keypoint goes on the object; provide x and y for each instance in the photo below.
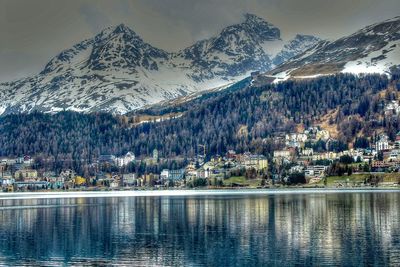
(360, 178)
(241, 180)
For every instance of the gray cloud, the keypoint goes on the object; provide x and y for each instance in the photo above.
(94, 17)
(34, 31)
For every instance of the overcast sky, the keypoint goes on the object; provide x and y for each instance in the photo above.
(33, 31)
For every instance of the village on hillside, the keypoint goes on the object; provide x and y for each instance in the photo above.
(311, 158)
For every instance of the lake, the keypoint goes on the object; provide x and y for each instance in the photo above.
(284, 229)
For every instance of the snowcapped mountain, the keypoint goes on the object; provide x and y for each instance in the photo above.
(236, 50)
(373, 49)
(116, 71)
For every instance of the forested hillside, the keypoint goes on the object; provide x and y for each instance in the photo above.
(246, 119)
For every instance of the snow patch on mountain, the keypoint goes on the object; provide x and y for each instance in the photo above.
(378, 61)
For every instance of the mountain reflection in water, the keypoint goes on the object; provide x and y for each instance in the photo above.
(241, 230)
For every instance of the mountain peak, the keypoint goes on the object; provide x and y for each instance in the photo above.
(260, 29)
(119, 47)
(253, 19)
(122, 28)
(116, 30)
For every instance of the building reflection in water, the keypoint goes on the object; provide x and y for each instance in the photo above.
(317, 229)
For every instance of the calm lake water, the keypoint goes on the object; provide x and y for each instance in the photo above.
(313, 229)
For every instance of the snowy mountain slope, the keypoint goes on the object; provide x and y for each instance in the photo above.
(116, 71)
(295, 47)
(251, 45)
(373, 49)
(235, 51)
(379, 61)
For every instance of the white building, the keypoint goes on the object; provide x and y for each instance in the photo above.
(114, 184)
(327, 155)
(129, 178)
(203, 173)
(172, 174)
(295, 139)
(307, 152)
(287, 154)
(394, 154)
(67, 175)
(297, 168)
(7, 182)
(9, 161)
(164, 174)
(258, 162)
(392, 108)
(315, 171)
(125, 160)
(382, 143)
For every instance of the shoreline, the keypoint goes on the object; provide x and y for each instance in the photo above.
(188, 192)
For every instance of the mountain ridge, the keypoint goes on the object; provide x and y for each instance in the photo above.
(372, 49)
(117, 71)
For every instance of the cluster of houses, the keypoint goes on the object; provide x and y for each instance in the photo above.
(296, 156)
(380, 156)
(19, 174)
(222, 167)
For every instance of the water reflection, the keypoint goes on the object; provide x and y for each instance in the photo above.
(314, 229)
